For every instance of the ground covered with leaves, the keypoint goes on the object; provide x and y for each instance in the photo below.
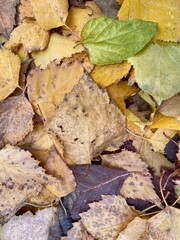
(89, 120)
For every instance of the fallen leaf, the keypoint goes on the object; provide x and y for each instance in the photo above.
(24, 10)
(108, 74)
(28, 226)
(108, 8)
(168, 22)
(16, 115)
(9, 77)
(30, 35)
(47, 88)
(105, 219)
(20, 179)
(7, 19)
(161, 121)
(86, 123)
(59, 47)
(155, 67)
(100, 180)
(50, 14)
(171, 107)
(111, 41)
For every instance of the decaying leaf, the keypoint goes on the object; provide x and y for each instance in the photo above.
(7, 16)
(86, 123)
(47, 88)
(59, 47)
(165, 13)
(171, 107)
(9, 74)
(16, 115)
(156, 67)
(28, 226)
(30, 35)
(105, 219)
(20, 179)
(111, 41)
(108, 74)
(100, 181)
(50, 14)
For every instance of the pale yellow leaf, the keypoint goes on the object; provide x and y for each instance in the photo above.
(9, 74)
(59, 47)
(161, 121)
(30, 35)
(50, 14)
(47, 88)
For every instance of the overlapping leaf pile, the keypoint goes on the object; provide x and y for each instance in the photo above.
(89, 119)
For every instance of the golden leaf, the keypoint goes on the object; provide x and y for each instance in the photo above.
(161, 121)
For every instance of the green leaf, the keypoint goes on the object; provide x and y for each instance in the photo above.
(157, 70)
(112, 41)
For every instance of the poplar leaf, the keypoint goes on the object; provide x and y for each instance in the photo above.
(111, 41)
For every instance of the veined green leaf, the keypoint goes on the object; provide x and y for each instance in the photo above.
(112, 41)
(157, 70)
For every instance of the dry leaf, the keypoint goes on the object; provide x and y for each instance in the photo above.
(86, 123)
(107, 218)
(28, 226)
(108, 74)
(7, 16)
(171, 107)
(59, 47)
(9, 74)
(30, 35)
(50, 14)
(24, 10)
(16, 115)
(161, 121)
(47, 88)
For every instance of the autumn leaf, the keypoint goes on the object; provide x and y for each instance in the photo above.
(24, 10)
(171, 107)
(86, 123)
(111, 41)
(161, 121)
(155, 67)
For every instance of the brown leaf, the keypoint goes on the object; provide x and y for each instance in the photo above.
(16, 115)
(86, 123)
(171, 107)
(24, 10)
(7, 16)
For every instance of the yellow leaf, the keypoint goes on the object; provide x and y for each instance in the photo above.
(165, 13)
(59, 47)
(30, 35)
(108, 74)
(9, 74)
(78, 17)
(50, 14)
(47, 88)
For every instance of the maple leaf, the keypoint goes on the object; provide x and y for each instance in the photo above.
(171, 107)
(156, 67)
(16, 115)
(100, 181)
(10, 77)
(86, 123)
(168, 22)
(28, 226)
(50, 14)
(105, 219)
(7, 16)
(47, 88)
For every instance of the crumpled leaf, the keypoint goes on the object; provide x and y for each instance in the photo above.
(28, 226)
(86, 123)
(171, 107)
(16, 115)
(47, 88)
(156, 67)
(164, 225)
(9, 75)
(7, 16)
(100, 180)
(20, 178)
(30, 35)
(50, 14)
(105, 219)
(111, 41)
(59, 47)
(168, 22)
(108, 74)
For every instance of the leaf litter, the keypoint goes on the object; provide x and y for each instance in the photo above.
(76, 88)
